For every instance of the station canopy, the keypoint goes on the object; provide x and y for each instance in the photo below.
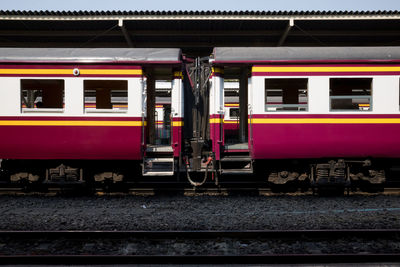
(198, 32)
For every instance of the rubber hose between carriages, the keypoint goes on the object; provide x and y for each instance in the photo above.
(205, 174)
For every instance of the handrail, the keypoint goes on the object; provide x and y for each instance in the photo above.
(171, 129)
(144, 112)
(143, 132)
(221, 128)
(156, 137)
(251, 126)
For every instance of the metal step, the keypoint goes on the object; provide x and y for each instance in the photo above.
(235, 158)
(158, 160)
(153, 148)
(160, 173)
(237, 171)
(237, 146)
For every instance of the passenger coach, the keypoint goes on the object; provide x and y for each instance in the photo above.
(65, 111)
(334, 110)
(320, 116)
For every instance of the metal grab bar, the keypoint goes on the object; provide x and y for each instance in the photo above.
(221, 128)
(251, 126)
(144, 111)
(156, 137)
(171, 129)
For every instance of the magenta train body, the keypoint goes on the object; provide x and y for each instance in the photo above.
(98, 105)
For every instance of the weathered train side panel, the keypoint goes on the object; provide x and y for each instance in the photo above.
(370, 130)
(70, 131)
(322, 136)
(70, 138)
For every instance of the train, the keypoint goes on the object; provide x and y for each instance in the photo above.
(309, 116)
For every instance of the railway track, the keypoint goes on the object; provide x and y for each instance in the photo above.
(188, 191)
(154, 247)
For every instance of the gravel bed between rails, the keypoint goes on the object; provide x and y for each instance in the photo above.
(198, 212)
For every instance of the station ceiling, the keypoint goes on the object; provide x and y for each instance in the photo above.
(197, 32)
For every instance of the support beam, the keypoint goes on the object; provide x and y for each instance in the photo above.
(286, 32)
(125, 32)
(197, 33)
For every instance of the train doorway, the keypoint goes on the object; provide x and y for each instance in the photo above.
(162, 113)
(158, 159)
(158, 102)
(235, 110)
(235, 156)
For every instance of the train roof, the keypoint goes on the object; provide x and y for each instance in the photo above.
(91, 55)
(304, 54)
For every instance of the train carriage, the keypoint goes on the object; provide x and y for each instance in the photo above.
(84, 106)
(331, 107)
(319, 116)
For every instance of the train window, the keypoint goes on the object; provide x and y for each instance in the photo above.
(234, 113)
(42, 95)
(106, 96)
(350, 94)
(231, 99)
(286, 94)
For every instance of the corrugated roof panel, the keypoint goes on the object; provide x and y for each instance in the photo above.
(193, 12)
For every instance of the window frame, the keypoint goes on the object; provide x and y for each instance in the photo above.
(41, 110)
(307, 106)
(370, 97)
(105, 110)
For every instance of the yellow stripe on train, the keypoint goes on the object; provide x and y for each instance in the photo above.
(70, 71)
(315, 121)
(68, 123)
(326, 69)
(217, 70)
(325, 121)
(231, 105)
(177, 123)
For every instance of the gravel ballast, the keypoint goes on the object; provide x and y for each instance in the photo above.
(221, 246)
(198, 212)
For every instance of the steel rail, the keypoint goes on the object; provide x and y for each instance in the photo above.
(285, 235)
(200, 259)
(184, 191)
(206, 234)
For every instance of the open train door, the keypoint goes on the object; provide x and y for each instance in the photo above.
(164, 115)
(229, 115)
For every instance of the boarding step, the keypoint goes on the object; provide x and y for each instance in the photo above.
(235, 158)
(237, 171)
(158, 160)
(158, 173)
(236, 147)
(236, 164)
(158, 168)
(158, 149)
